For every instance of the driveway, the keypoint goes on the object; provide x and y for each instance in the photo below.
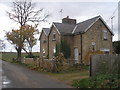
(17, 76)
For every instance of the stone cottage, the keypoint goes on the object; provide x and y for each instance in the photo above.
(92, 36)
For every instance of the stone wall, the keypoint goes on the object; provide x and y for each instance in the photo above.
(48, 64)
(105, 64)
(31, 61)
(43, 63)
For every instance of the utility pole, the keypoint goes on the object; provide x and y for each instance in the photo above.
(119, 20)
(112, 22)
(61, 11)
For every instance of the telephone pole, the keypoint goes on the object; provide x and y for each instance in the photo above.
(119, 20)
(112, 22)
(61, 11)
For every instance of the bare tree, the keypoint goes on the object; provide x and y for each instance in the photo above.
(22, 12)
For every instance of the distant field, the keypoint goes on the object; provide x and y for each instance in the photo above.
(8, 56)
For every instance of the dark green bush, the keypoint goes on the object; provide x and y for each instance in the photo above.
(99, 81)
(31, 56)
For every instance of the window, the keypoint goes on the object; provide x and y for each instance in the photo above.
(43, 52)
(106, 50)
(44, 41)
(54, 50)
(54, 36)
(93, 46)
(105, 35)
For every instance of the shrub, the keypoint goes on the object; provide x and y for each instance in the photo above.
(31, 56)
(83, 83)
(99, 81)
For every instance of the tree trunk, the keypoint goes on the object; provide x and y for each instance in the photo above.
(19, 49)
(26, 51)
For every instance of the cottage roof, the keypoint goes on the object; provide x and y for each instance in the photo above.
(46, 31)
(64, 28)
(71, 29)
(83, 26)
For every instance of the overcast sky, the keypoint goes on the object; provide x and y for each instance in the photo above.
(74, 9)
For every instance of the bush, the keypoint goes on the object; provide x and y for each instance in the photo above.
(99, 81)
(83, 83)
(31, 56)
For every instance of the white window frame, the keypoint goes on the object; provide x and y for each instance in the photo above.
(107, 50)
(93, 46)
(43, 52)
(54, 50)
(105, 34)
(54, 37)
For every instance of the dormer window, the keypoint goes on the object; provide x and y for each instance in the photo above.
(54, 36)
(105, 34)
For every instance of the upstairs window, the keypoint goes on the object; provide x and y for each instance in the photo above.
(54, 36)
(93, 46)
(105, 35)
(44, 41)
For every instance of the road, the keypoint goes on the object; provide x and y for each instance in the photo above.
(17, 76)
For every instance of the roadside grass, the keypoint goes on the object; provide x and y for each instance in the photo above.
(69, 77)
(9, 56)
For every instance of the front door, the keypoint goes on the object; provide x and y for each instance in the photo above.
(76, 55)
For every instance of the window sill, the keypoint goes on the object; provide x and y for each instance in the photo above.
(105, 39)
(54, 40)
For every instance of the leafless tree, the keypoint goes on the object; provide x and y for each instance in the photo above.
(23, 11)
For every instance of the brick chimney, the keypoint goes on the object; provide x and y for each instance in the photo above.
(68, 20)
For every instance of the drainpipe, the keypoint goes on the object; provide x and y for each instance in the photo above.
(81, 46)
(48, 46)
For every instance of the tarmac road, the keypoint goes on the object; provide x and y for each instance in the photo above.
(17, 76)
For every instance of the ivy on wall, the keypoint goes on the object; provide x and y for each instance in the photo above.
(64, 48)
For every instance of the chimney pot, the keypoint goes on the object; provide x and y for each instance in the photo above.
(68, 17)
(68, 20)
